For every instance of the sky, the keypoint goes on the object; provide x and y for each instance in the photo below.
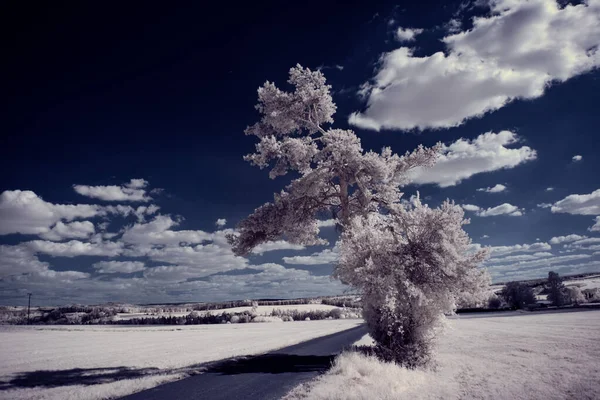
(122, 137)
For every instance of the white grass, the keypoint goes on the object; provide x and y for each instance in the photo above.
(173, 350)
(521, 356)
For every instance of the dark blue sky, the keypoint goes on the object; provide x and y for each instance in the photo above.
(96, 96)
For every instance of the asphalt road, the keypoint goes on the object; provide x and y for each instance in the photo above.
(266, 376)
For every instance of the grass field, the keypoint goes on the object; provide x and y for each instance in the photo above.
(114, 361)
(504, 356)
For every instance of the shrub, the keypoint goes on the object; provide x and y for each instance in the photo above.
(494, 302)
(262, 318)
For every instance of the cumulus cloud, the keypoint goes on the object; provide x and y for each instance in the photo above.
(566, 239)
(582, 204)
(124, 267)
(18, 260)
(494, 189)
(140, 212)
(276, 245)
(577, 158)
(470, 207)
(549, 189)
(585, 244)
(326, 223)
(221, 222)
(497, 251)
(539, 262)
(465, 158)
(407, 34)
(514, 52)
(327, 256)
(159, 232)
(520, 257)
(75, 248)
(596, 226)
(22, 211)
(70, 230)
(132, 191)
(502, 209)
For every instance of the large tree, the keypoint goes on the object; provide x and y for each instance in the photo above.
(420, 255)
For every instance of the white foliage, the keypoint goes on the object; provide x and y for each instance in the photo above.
(411, 262)
(337, 177)
(411, 266)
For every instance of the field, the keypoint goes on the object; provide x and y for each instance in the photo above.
(260, 310)
(60, 356)
(554, 355)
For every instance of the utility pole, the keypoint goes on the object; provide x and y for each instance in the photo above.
(28, 308)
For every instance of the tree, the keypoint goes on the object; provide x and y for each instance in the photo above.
(556, 289)
(575, 295)
(518, 295)
(419, 255)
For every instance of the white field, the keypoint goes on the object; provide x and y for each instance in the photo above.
(174, 350)
(261, 310)
(517, 356)
(590, 282)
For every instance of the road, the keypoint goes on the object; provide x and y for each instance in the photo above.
(267, 376)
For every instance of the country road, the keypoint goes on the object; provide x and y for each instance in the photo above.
(267, 376)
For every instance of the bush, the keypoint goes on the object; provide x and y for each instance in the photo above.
(494, 302)
(262, 318)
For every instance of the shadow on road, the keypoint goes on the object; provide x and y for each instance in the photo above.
(273, 364)
(265, 363)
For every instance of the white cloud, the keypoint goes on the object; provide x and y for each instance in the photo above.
(549, 189)
(485, 237)
(326, 223)
(159, 232)
(497, 251)
(582, 204)
(221, 222)
(470, 207)
(582, 243)
(327, 256)
(70, 230)
(577, 158)
(495, 189)
(520, 257)
(75, 248)
(566, 239)
(407, 34)
(17, 260)
(596, 226)
(532, 273)
(22, 211)
(544, 205)
(502, 209)
(132, 191)
(514, 52)
(539, 262)
(137, 183)
(276, 245)
(465, 158)
(125, 267)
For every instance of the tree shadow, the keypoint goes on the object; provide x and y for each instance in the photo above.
(270, 363)
(76, 376)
